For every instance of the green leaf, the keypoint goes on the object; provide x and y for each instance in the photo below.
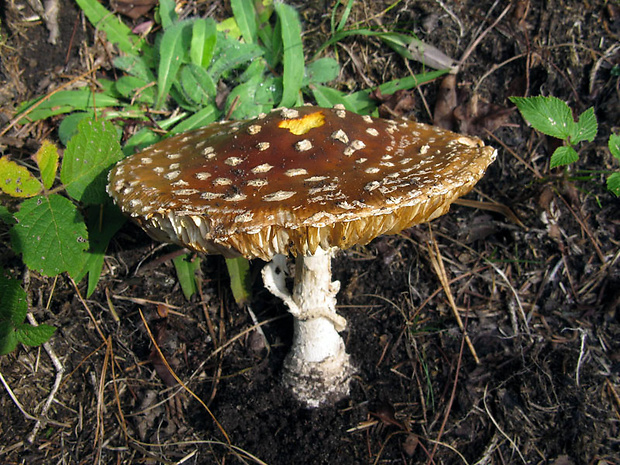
(327, 97)
(186, 272)
(174, 46)
(115, 29)
(104, 221)
(614, 146)
(66, 101)
(239, 272)
(586, 127)
(202, 117)
(293, 59)
(69, 125)
(231, 54)
(549, 115)
(245, 16)
(360, 102)
(322, 70)
(51, 235)
(613, 183)
(204, 40)
(14, 301)
(167, 14)
(90, 153)
(244, 99)
(47, 161)
(197, 85)
(563, 156)
(6, 216)
(135, 66)
(16, 180)
(142, 139)
(34, 335)
(136, 89)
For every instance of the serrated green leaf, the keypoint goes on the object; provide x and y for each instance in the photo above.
(564, 155)
(613, 183)
(51, 235)
(34, 335)
(90, 153)
(16, 180)
(47, 161)
(586, 127)
(245, 16)
(614, 145)
(68, 126)
(115, 29)
(14, 303)
(549, 115)
(293, 58)
(239, 272)
(204, 40)
(173, 49)
(322, 70)
(8, 340)
(186, 268)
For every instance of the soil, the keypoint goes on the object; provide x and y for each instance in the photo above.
(536, 282)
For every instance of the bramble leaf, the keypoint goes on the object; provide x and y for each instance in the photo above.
(549, 115)
(563, 156)
(89, 154)
(16, 180)
(47, 161)
(613, 183)
(587, 127)
(34, 335)
(614, 146)
(51, 235)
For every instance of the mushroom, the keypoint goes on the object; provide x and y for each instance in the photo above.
(303, 182)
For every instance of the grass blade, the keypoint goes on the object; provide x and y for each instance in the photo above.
(293, 59)
(245, 15)
(174, 45)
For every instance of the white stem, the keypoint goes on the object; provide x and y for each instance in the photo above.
(317, 368)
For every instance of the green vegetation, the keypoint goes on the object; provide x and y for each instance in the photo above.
(194, 71)
(553, 117)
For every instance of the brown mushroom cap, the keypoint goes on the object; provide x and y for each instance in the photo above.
(295, 180)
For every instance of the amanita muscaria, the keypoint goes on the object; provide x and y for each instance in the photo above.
(300, 182)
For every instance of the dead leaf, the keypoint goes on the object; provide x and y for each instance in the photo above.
(443, 115)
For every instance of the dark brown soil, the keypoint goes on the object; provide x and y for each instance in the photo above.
(539, 296)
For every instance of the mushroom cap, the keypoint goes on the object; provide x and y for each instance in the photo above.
(294, 180)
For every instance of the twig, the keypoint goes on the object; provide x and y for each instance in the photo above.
(486, 409)
(437, 262)
(21, 408)
(60, 369)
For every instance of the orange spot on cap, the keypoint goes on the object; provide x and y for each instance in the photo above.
(299, 126)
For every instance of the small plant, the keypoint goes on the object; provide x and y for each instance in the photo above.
(49, 228)
(553, 117)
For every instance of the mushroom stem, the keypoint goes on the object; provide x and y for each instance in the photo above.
(317, 369)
